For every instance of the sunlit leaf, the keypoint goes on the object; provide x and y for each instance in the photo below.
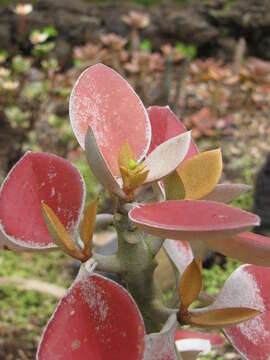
(59, 233)
(106, 102)
(174, 187)
(220, 318)
(190, 284)
(201, 173)
(88, 224)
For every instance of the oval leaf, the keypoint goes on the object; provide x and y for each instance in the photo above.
(226, 192)
(191, 219)
(166, 157)
(102, 99)
(97, 319)
(219, 318)
(98, 165)
(190, 284)
(39, 176)
(246, 247)
(165, 125)
(201, 173)
(248, 286)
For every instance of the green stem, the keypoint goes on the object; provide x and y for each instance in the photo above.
(138, 263)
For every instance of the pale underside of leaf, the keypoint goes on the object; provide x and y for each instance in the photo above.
(227, 192)
(59, 233)
(220, 318)
(201, 173)
(165, 158)
(190, 284)
(160, 346)
(99, 166)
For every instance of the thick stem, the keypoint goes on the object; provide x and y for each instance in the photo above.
(109, 263)
(138, 263)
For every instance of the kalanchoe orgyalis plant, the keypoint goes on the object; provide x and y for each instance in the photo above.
(127, 148)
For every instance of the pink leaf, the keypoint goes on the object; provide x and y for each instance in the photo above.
(215, 339)
(179, 252)
(247, 247)
(166, 125)
(37, 177)
(192, 219)
(102, 99)
(248, 286)
(96, 320)
(160, 346)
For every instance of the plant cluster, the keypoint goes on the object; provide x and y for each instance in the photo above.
(129, 149)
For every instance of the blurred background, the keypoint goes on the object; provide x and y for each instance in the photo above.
(208, 59)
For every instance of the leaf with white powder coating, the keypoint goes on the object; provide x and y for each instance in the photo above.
(100, 321)
(248, 286)
(36, 177)
(102, 99)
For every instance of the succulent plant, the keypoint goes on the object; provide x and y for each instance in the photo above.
(129, 148)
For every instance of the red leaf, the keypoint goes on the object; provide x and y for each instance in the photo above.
(215, 339)
(192, 219)
(96, 320)
(37, 177)
(248, 286)
(166, 125)
(102, 99)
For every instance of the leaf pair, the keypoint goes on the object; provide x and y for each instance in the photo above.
(189, 290)
(62, 237)
(196, 177)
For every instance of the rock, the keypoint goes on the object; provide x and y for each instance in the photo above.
(187, 25)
